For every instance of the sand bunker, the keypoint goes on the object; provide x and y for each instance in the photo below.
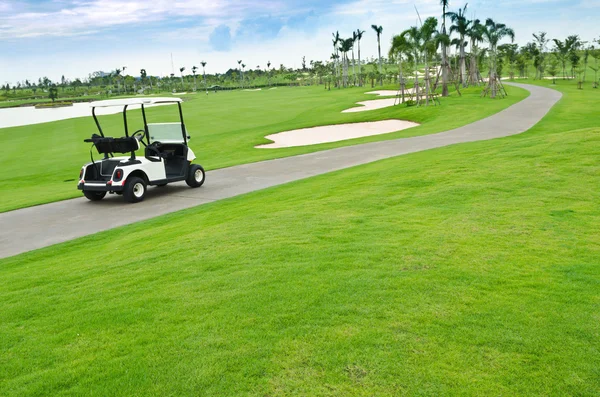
(334, 133)
(390, 92)
(257, 89)
(372, 105)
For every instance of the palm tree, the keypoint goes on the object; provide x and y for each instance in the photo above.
(353, 71)
(493, 33)
(400, 47)
(203, 63)
(430, 40)
(181, 69)
(345, 46)
(241, 74)
(194, 70)
(359, 35)
(118, 74)
(541, 42)
(243, 67)
(143, 75)
(475, 35)
(412, 37)
(561, 51)
(444, 4)
(336, 40)
(379, 31)
(461, 27)
(269, 72)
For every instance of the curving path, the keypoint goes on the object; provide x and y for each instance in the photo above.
(36, 227)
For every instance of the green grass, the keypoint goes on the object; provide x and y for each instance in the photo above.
(466, 270)
(225, 127)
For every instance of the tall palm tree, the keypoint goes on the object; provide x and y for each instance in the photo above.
(461, 26)
(359, 35)
(561, 51)
(379, 31)
(353, 63)
(269, 72)
(345, 47)
(445, 66)
(203, 63)
(143, 75)
(430, 40)
(493, 33)
(194, 70)
(118, 75)
(181, 69)
(336, 40)
(412, 37)
(475, 35)
(241, 74)
(400, 47)
(541, 42)
(243, 70)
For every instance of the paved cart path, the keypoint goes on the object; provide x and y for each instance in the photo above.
(36, 227)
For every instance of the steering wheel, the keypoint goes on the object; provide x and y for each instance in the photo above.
(139, 135)
(154, 148)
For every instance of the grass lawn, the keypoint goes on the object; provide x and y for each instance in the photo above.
(471, 269)
(41, 162)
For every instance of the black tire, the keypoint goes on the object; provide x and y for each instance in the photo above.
(196, 176)
(94, 196)
(135, 190)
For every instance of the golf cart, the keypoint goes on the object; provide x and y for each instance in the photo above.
(167, 157)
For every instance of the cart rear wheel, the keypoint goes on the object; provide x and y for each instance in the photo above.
(196, 176)
(135, 189)
(94, 196)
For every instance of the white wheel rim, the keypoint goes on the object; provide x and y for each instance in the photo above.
(138, 190)
(199, 175)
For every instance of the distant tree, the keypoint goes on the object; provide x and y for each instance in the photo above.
(203, 63)
(181, 70)
(53, 92)
(378, 30)
(359, 35)
(553, 68)
(194, 70)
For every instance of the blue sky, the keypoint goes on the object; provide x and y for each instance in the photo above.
(76, 37)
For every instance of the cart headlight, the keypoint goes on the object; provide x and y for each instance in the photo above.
(118, 175)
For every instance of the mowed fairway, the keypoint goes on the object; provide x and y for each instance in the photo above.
(42, 162)
(471, 270)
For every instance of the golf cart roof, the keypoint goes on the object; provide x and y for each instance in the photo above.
(133, 101)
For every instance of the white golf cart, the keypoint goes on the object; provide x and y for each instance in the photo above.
(167, 157)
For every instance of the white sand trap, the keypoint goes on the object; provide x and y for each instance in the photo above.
(257, 89)
(390, 92)
(334, 133)
(179, 93)
(372, 105)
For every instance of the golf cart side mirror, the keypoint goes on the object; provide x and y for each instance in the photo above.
(189, 137)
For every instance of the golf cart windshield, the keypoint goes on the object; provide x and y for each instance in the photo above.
(166, 132)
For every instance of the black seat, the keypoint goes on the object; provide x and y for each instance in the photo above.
(106, 145)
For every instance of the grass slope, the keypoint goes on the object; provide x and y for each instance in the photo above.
(471, 270)
(41, 162)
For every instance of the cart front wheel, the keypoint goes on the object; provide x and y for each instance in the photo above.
(196, 176)
(94, 196)
(135, 190)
